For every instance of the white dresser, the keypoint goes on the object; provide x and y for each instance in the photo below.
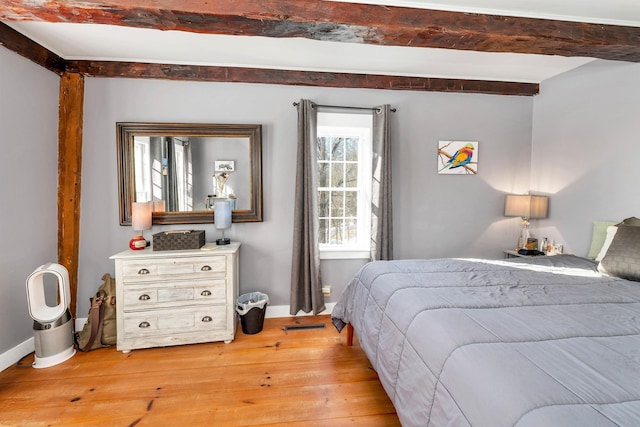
(176, 297)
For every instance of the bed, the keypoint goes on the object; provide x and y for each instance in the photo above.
(543, 341)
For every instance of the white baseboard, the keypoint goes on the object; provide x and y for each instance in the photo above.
(12, 356)
(283, 311)
(79, 323)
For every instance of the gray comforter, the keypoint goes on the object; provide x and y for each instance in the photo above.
(549, 342)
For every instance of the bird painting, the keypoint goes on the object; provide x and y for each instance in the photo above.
(462, 161)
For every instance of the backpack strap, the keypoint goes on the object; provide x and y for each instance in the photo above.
(96, 318)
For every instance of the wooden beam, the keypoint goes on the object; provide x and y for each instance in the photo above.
(344, 22)
(13, 40)
(33, 51)
(70, 118)
(297, 78)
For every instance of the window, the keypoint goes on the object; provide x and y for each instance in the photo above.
(157, 170)
(344, 184)
(142, 157)
(184, 175)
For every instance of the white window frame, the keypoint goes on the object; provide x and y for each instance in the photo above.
(142, 171)
(360, 125)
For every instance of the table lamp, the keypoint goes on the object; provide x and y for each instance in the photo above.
(222, 218)
(140, 221)
(527, 207)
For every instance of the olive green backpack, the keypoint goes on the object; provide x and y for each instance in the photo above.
(100, 329)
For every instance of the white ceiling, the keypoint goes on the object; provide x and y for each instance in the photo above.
(115, 43)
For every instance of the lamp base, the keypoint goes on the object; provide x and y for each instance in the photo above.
(138, 242)
(524, 234)
(223, 241)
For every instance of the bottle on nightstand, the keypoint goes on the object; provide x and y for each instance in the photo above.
(549, 248)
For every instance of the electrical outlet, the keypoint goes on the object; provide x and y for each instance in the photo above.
(326, 290)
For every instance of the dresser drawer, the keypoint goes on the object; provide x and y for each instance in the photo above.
(155, 269)
(176, 294)
(175, 321)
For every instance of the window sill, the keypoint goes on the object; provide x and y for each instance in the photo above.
(343, 254)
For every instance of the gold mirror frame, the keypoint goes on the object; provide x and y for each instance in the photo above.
(126, 131)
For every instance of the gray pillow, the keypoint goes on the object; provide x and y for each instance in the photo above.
(623, 256)
(631, 221)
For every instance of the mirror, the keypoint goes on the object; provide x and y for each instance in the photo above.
(183, 168)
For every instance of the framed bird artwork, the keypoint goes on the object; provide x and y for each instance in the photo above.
(458, 157)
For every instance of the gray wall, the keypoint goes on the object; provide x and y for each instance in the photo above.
(456, 215)
(435, 215)
(586, 146)
(28, 186)
(205, 151)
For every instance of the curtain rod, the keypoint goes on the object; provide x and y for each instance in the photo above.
(343, 107)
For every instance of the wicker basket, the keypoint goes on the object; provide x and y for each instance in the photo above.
(176, 240)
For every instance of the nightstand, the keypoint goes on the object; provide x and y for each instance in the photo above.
(512, 253)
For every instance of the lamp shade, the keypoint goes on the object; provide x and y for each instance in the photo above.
(158, 206)
(222, 213)
(141, 215)
(526, 206)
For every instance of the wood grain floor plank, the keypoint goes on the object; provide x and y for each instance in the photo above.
(278, 377)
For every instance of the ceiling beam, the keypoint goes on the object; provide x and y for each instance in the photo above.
(17, 42)
(344, 22)
(296, 78)
(13, 40)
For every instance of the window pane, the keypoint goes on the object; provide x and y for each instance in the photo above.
(337, 175)
(350, 231)
(337, 204)
(352, 175)
(351, 153)
(337, 149)
(323, 147)
(323, 204)
(323, 231)
(351, 204)
(323, 174)
(336, 232)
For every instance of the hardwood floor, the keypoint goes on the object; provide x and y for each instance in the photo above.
(275, 378)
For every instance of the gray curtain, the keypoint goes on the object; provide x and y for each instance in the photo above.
(306, 284)
(188, 171)
(170, 179)
(381, 206)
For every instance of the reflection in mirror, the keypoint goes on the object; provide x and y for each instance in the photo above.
(184, 168)
(179, 171)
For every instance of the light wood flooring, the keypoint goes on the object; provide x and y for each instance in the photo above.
(273, 378)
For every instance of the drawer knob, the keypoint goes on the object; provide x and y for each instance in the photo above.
(144, 297)
(207, 319)
(206, 293)
(206, 268)
(144, 325)
(143, 271)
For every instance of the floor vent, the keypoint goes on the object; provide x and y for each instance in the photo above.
(298, 327)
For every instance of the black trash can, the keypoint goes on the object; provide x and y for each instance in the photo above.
(251, 307)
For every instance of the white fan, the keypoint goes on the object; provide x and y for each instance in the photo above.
(52, 325)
